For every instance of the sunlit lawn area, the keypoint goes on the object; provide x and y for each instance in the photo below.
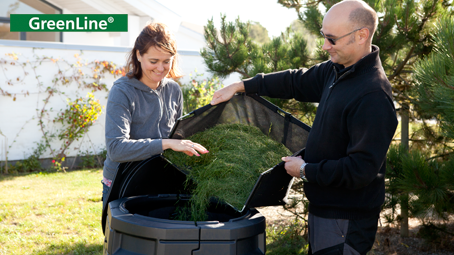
(56, 213)
(60, 213)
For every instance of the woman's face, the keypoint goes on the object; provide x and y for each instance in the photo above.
(155, 64)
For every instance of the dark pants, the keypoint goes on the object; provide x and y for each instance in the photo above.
(105, 192)
(339, 236)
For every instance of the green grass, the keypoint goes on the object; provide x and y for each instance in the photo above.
(286, 239)
(238, 154)
(55, 213)
(60, 213)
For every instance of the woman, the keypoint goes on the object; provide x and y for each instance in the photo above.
(143, 106)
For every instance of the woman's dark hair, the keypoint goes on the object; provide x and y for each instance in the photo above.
(153, 35)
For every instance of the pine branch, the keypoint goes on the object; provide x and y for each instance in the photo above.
(382, 24)
(429, 15)
(242, 73)
(441, 81)
(424, 20)
(400, 67)
(431, 225)
(418, 177)
(441, 155)
(400, 94)
(291, 4)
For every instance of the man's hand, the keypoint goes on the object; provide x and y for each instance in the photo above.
(292, 165)
(226, 93)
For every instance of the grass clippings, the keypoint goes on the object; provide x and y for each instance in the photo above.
(238, 154)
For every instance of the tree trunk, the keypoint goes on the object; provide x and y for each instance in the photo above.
(405, 143)
(404, 215)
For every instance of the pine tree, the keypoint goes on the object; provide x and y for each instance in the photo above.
(258, 33)
(231, 49)
(228, 50)
(429, 181)
(435, 78)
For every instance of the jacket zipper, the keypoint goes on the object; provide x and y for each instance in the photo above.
(164, 109)
(162, 114)
(335, 82)
(338, 79)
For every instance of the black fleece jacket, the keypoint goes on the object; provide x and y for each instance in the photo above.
(352, 130)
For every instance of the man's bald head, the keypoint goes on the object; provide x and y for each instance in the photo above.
(360, 14)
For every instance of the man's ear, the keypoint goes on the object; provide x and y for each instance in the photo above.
(363, 35)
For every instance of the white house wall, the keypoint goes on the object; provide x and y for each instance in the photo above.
(158, 12)
(91, 38)
(190, 40)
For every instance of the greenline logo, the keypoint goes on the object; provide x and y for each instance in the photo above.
(69, 23)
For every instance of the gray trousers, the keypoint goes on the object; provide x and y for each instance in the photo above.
(340, 236)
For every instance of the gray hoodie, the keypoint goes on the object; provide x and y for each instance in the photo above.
(137, 118)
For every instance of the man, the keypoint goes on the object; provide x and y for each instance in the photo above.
(344, 160)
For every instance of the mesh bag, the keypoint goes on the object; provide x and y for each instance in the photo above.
(274, 183)
(250, 110)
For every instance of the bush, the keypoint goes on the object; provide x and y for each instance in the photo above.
(91, 160)
(286, 239)
(428, 182)
(199, 92)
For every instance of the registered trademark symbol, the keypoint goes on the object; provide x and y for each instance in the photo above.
(110, 19)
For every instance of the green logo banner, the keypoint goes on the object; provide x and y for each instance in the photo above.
(69, 23)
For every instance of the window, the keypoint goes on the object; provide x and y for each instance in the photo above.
(8, 7)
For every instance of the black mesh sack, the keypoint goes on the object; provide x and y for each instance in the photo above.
(274, 183)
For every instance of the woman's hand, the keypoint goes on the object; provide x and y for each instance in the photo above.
(187, 146)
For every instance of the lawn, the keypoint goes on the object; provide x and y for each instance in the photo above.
(60, 213)
(55, 213)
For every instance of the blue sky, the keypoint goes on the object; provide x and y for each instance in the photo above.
(273, 16)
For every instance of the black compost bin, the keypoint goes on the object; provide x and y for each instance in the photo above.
(145, 194)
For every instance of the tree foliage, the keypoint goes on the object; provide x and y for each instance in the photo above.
(435, 78)
(429, 182)
(227, 49)
(297, 26)
(258, 33)
(231, 49)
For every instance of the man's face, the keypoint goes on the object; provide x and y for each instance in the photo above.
(344, 51)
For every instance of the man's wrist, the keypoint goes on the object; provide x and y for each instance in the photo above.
(303, 172)
(239, 87)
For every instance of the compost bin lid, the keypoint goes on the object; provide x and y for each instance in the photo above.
(273, 184)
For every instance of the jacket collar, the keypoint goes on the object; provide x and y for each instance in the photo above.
(367, 63)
